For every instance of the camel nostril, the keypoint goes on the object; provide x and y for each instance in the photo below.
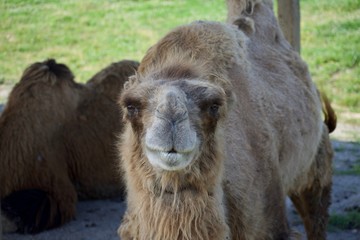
(172, 151)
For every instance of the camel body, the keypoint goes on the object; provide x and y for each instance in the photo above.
(57, 143)
(221, 123)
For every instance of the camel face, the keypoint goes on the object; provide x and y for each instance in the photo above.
(171, 142)
(175, 119)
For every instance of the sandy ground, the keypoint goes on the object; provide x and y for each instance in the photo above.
(99, 220)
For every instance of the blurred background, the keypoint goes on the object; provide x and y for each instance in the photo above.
(87, 35)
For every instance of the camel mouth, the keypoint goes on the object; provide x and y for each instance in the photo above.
(169, 160)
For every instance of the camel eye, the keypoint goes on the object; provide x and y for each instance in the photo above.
(131, 106)
(214, 109)
(132, 110)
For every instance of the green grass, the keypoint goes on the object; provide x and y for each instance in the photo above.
(331, 46)
(350, 221)
(89, 34)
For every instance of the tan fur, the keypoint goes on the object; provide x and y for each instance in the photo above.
(329, 113)
(243, 7)
(259, 133)
(58, 136)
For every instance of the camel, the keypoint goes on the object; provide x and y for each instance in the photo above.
(111, 79)
(221, 123)
(57, 143)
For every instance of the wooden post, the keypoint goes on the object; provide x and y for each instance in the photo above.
(289, 20)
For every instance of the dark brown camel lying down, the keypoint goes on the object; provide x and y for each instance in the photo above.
(221, 123)
(57, 143)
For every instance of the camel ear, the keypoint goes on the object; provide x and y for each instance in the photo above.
(133, 80)
(249, 7)
(245, 24)
(230, 97)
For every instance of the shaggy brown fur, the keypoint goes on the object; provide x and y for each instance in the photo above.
(221, 123)
(110, 80)
(57, 143)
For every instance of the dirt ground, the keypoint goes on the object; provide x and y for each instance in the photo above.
(99, 220)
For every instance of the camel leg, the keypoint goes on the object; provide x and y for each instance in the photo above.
(312, 205)
(65, 197)
(314, 200)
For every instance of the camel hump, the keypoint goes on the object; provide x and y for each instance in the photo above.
(330, 118)
(48, 70)
(58, 69)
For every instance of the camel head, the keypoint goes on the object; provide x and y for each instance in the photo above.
(174, 110)
(175, 119)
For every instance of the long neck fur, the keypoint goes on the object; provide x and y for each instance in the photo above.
(197, 213)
